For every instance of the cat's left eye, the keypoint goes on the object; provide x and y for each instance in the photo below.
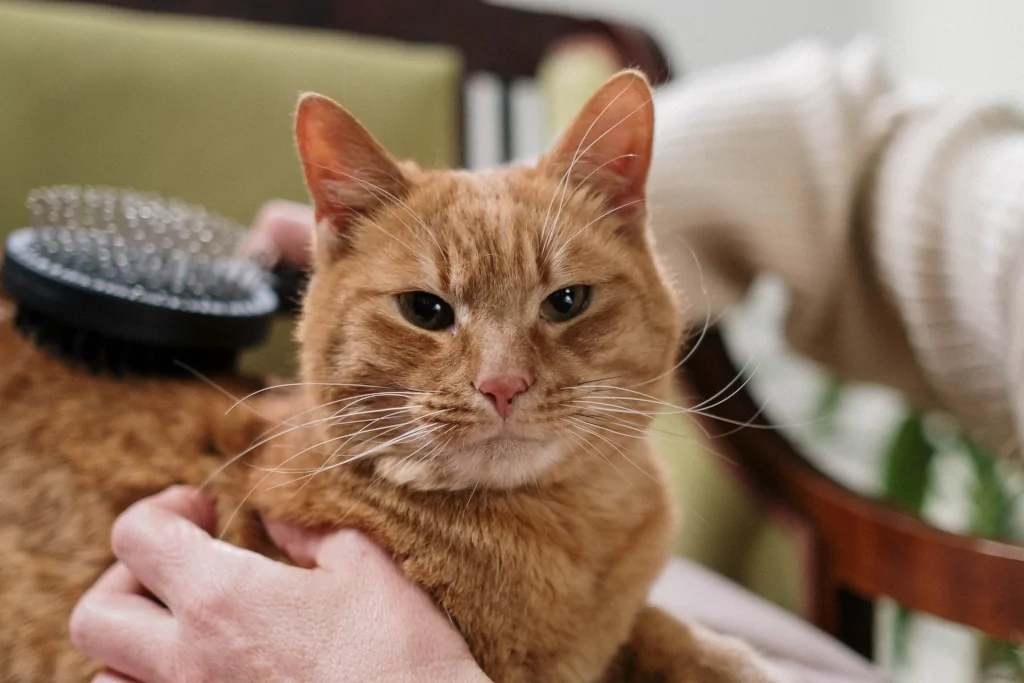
(565, 304)
(426, 310)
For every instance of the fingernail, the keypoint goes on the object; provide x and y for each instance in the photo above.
(205, 509)
(105, 677)
(298, 544)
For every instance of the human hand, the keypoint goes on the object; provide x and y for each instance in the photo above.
(233, 615)
(284, 230)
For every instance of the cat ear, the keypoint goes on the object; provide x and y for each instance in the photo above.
(608, 144)
(347, 171)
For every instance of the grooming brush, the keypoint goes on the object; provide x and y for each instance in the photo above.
(129, 283)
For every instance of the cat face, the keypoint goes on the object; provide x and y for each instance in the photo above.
(465, 329)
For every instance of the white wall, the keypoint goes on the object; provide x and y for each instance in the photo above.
(702, 33)
(967, 45)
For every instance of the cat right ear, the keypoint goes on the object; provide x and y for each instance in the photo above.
(347, 171)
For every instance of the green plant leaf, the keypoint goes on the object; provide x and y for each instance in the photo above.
(1000, 657)
(992, 502)
(908, 465)
(902, 618)
(826, 407)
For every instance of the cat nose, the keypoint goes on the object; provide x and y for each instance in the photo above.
(501, 390)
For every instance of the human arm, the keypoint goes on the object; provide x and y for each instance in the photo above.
(895, 223)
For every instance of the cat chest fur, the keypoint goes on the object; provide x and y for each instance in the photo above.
(544, 582)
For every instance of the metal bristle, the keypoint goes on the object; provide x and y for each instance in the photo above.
(151, 245)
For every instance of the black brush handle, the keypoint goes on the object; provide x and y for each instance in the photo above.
(290, 284)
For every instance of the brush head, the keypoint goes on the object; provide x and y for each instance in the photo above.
(130, 282)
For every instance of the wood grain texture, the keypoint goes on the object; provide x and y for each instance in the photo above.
(866, 546)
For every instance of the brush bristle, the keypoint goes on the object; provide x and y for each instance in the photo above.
(129, 283)
(102, 355)
(142, 242)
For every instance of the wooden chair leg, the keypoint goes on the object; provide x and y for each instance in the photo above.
(855, 622)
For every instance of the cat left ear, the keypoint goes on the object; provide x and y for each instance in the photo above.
(347, 171)
(608, 144)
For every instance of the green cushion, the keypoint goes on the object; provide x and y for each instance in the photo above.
(199, 109)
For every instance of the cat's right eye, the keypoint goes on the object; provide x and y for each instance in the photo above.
(426, 310)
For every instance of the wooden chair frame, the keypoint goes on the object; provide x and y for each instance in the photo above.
(866, 549)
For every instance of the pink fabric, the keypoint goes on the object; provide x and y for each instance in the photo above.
(689, 591)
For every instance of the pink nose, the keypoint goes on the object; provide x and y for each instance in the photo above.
(502, 390)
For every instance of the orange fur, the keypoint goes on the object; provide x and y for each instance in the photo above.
(540, 535)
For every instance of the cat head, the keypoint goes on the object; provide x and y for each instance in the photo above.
(485, 329)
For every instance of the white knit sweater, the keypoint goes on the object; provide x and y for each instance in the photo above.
(897, 225)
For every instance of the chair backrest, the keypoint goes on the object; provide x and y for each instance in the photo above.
(198, 109)
(866, 548)
(507, 42)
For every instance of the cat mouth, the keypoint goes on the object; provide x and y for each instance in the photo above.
(507, 433)
(507, 439)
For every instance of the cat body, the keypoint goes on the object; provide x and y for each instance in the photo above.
(481, 355)
(544, 582)
(75, 451)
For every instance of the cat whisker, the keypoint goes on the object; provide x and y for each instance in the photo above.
(702, 444)
(245, 499)
(639, 396)
(594, 449)
(411, 455)
(314, 384)
(210, 383)
(264, 439)
(415, 433)
(707, 307)
(375, 479)
(439, 450)
(602, 414)
(365, 430)
(749, 424)
(690, 439)
(640, 434)
(335, 416)
(268, 474)
(349, 401)
(707, 318)
(582, 385)
(360, 398)
(368, 430)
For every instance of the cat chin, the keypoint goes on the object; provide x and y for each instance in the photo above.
(501, 463)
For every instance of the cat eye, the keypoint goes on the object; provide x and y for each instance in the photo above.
(565, 304)
(426, 310)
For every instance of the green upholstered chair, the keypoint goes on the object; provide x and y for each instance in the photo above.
(199, 109)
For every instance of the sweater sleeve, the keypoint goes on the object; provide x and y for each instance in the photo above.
(808, 166)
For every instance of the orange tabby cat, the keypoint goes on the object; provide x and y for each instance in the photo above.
(481, 353)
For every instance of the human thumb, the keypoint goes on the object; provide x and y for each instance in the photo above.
(320, 547)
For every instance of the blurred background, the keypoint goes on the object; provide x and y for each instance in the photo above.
(192, 99)
(949, 43)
